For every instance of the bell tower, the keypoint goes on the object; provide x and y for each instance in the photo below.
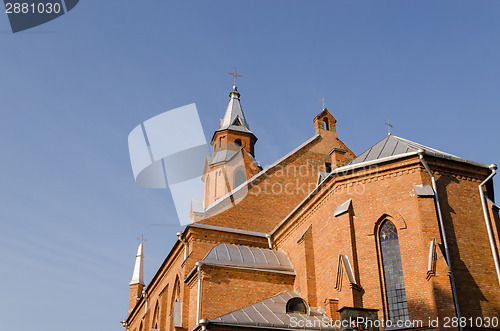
(234, 132)
(233, 153)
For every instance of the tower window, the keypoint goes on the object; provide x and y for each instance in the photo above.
(397, 305)
(328, 167)
(325, 124)
(296, 305)
(237, 142)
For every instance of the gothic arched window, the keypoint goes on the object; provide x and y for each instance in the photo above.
(176, 298)
(215, 185)
(156, 314)
(397, 305)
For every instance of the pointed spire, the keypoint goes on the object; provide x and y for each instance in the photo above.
(138, 276)
(234, 117)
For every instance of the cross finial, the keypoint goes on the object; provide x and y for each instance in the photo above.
(235, 75)
(142, 239)
(389, 126)
(323, 102)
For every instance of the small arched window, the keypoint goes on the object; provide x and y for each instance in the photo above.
(397, 305)
(237, 142)
(297, 305)
(325, 124)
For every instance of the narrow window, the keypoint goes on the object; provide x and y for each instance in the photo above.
(155, 316)
(207, 185)
(215, 186)
(328, 167)
(176, 297)
(325, 123)
(397, 306)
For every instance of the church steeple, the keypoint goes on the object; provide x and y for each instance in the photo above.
(137, 282)
(234, 117)
(233, 152)
(234, 131)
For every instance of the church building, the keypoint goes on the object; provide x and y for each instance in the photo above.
(402, 236)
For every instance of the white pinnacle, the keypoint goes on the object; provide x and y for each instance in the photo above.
(137, 277)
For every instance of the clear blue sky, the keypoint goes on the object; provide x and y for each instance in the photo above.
(71, 90)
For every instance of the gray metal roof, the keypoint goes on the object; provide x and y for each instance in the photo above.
(271, 313)
(223, 156)
(393, 145)
(248, 257)
(234, 118)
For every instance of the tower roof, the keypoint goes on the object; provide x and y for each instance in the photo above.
(234, 119)
(138, 276)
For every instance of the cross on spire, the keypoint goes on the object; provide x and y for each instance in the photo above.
(389, 126)
(323, 102)
(235, 75)
(141, 239)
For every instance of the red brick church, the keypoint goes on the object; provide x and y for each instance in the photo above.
(402, 236)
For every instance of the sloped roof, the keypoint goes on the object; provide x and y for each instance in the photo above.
(248, 257)
(234, 118)
(393, 145)
(224, 155)
(271, 313)
(389, 148)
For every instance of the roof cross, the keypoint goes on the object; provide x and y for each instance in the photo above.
(235, 75)
(389, 126)
(141, 239)
(323, 102)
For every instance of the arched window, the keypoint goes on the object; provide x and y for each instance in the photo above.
(325, 124)
(397, 305)
(156, 314)
(237, 142)
(163, 314)
(207, 185)
(215, 185)
(239, 177)
(296, 305)
(176, 297)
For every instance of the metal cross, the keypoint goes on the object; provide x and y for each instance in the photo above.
(389, 126)
(235, 75)
(141, 239)
(323, 102)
